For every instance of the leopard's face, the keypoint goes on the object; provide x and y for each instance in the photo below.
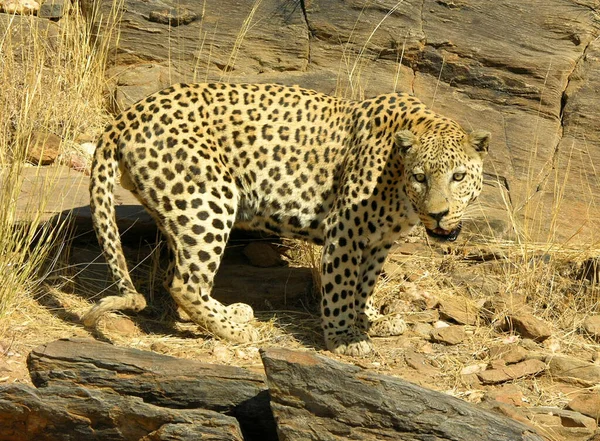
(443, 174)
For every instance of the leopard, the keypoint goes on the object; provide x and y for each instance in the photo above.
(353, 176)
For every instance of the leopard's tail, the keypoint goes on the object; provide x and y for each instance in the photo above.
(105, 166)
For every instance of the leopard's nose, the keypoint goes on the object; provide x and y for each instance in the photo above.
(438, 216)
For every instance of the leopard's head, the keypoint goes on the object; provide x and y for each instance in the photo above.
(443, 172)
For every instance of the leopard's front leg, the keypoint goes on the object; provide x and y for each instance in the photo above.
(368, 318)
(340, 269)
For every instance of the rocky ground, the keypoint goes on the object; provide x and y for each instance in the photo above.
(466, 338)
(509, 329)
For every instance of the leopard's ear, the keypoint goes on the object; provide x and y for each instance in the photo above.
(405, 139)
(480, 140)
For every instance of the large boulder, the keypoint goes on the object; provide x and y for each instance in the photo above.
(526, 71)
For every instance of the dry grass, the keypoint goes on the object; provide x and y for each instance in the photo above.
(52, 83)
(352, 81)
(54, 79)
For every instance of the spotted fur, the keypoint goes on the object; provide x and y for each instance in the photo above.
(350, 175)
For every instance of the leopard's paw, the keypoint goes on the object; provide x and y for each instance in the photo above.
(387, 326)
(353, 342)
(240, 312)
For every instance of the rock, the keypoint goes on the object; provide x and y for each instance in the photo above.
(423, 330)
(499, 228)
(591, 326)
(451, 335)
(508, 354)
(473, 369)
(421, 299)
(21, 7)
(44, 148)
(497, 364)
(508, 410)
(573, 370)
(279, 44)
(512, 372)
(160, 380)
(427, 316)
(263, 255)
(79, 163)
(250, 353)
(508, 394)
(316, 398)
(24, 32)
(120, 325)
(81, 158)
(221, 353)
(160, 347)
(553, 423)
(52, 9)
(134, 82)
(530, 344)
(403, 249)
(88, 148)
(173, 16)
(459, 310)
(587, 403)
(529, 326)
(71, 412)
(396, 306)
(262, 288)
(472, 383)
(4, 366)
(495, 309)
(568, 425)
(579, 107)
(57, 193)
(419, 362)
(552, 345)
(478, 285)
(575, 419)
(393, 268)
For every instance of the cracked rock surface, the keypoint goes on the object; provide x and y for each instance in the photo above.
(525, 71)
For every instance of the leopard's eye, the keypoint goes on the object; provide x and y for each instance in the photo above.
(420, 177)
(458, 176)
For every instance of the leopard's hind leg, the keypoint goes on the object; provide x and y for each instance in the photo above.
(102, 206)
(237, 312)
(198, 228)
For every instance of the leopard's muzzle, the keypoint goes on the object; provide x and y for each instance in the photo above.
(444, 235)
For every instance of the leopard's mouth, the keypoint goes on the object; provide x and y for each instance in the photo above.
(444, 235)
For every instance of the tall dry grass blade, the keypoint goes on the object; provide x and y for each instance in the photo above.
(228, 69)
(53, 78)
